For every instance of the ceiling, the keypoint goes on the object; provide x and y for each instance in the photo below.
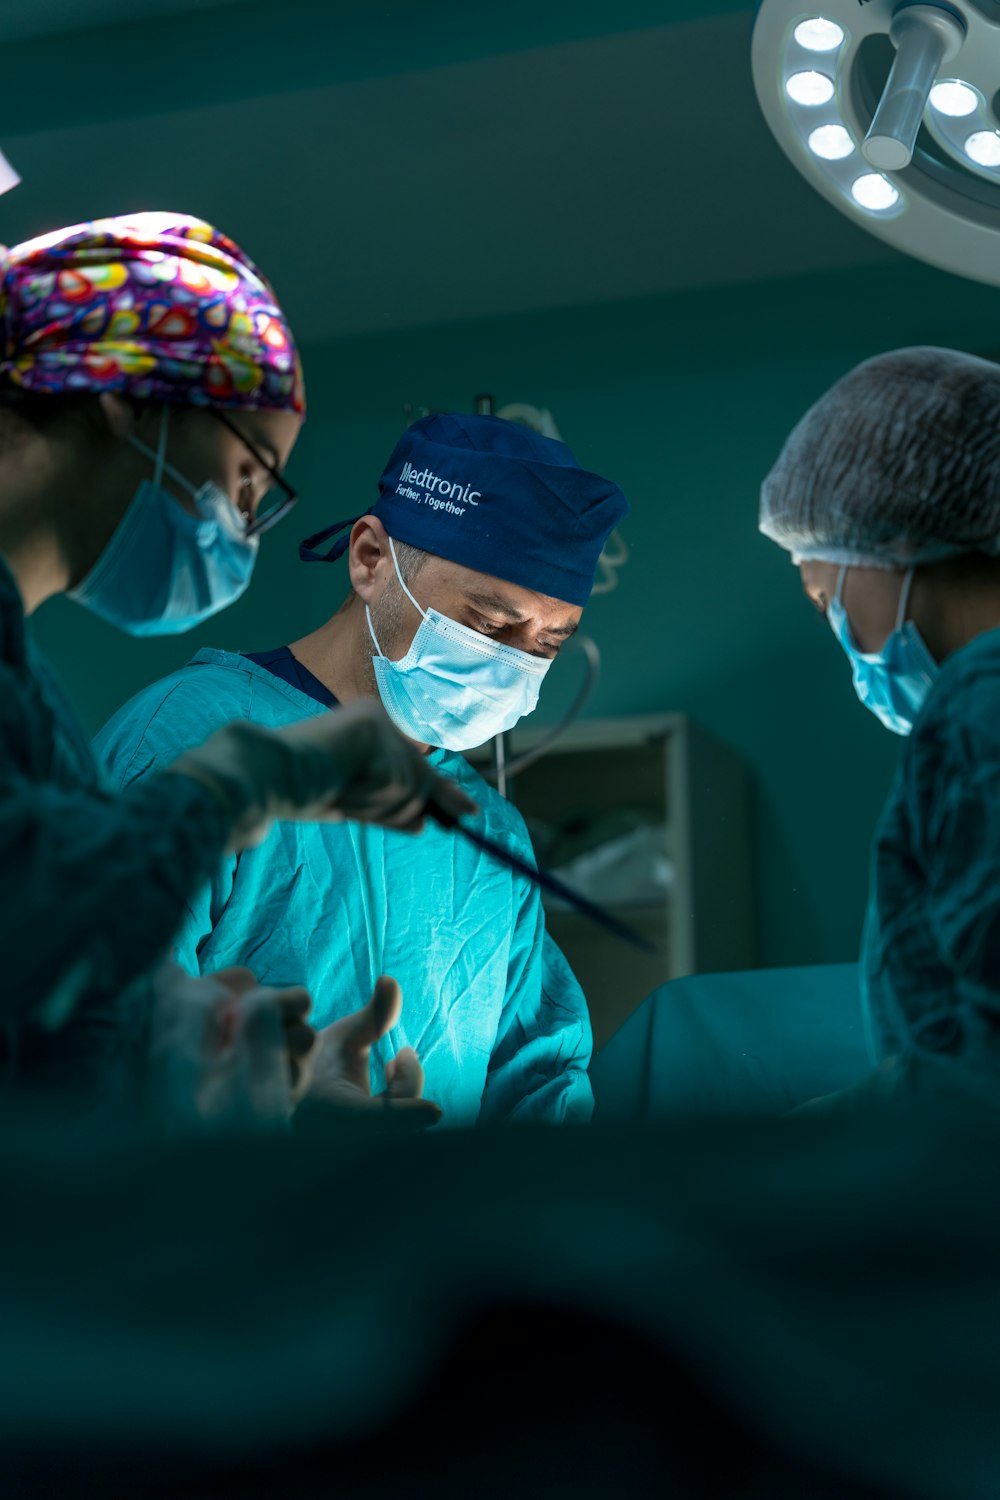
(51, 17)
(414, 167)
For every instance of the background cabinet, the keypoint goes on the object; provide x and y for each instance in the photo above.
(663, 772)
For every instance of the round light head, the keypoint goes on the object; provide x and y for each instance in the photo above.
(953, 98)
(924, 172)
(874, 192)
(809, 88)
(831, 142)
(983, 146)
(819, 35)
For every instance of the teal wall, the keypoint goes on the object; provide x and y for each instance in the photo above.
(685, 401)
(234, 52)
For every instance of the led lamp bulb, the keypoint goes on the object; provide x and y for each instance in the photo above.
(831, 142)
(983, 146)
(875, 192)
(953, 98)
(819, 35)
(810, 88)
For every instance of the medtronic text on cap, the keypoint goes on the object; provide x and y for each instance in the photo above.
(427, 488)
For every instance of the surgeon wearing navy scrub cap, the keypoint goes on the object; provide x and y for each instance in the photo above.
(466, 576)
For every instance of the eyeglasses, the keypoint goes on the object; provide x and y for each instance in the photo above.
(280, 497)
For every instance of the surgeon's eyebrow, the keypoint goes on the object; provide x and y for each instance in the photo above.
(495, 605)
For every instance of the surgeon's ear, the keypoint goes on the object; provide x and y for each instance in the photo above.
(368, 556)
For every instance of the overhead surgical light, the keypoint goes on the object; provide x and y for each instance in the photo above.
(8, 177)
(911, 91)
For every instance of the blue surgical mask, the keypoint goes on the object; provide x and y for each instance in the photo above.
(455, 687)
(895, 681)
(165, 570)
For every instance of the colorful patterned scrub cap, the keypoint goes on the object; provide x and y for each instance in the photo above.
(157, 305)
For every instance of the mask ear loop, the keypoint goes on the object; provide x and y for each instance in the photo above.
(395, 562)
(839, 590)
(368, 614)
(371, 631)
(904, 597)
(161, 447)
(159, 454)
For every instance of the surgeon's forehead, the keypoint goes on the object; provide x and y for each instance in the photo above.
(274, 433)
(476, 586)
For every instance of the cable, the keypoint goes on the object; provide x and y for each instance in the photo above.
(520, 762)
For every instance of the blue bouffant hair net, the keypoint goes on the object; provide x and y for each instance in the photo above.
(897, 465)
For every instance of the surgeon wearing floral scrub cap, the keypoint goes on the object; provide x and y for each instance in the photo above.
(150, 395)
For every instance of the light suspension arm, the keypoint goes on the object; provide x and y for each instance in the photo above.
(925, 36)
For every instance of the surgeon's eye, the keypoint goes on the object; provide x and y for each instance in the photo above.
(486, 627)
(254, 477)
(254, 489)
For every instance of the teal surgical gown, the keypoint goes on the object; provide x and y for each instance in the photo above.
(931, 965)
(489, 1003)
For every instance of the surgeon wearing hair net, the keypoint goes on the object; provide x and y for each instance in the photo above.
(887, 496)
(466, 576)
(150, 394)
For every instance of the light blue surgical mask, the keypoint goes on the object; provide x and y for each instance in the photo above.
(895, 681)
(455, 687)
(165, 570)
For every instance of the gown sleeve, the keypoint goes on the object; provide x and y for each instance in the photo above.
(538, 1067)
(954, 794)
(145, 736)
(94, 884)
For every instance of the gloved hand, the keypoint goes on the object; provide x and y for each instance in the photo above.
(340, 1078)
(349, 763)
(252, 1008)
(225, 1052)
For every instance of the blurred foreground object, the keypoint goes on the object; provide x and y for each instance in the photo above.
(798, 1309)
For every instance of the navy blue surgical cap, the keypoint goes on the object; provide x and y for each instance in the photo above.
(496, 497)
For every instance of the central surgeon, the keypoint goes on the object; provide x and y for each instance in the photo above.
(467, 577)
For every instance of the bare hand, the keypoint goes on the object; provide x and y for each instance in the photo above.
(341, 1072)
